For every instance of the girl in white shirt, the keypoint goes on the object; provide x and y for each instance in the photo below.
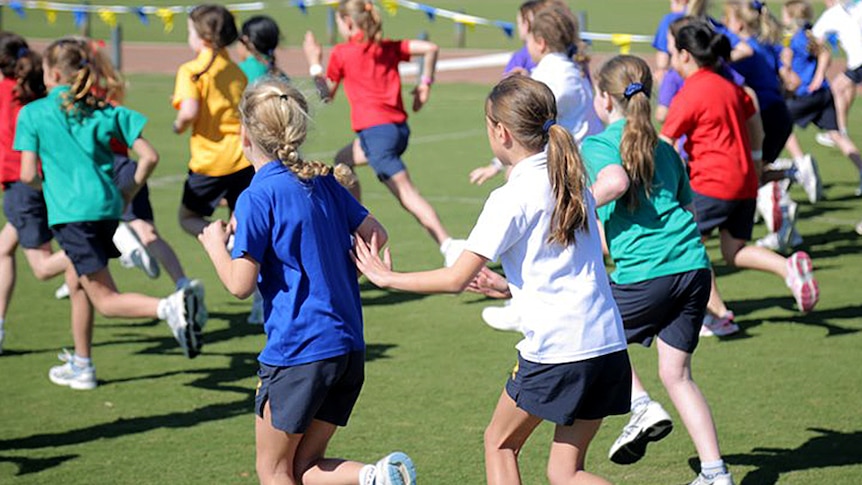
(573, 369)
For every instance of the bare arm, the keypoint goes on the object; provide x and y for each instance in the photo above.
(429, 67)
(188, 113)
(314, 57)
(611, 183)
(239, 276)
(824, 57)
(30, 171)
(148, 158)
(741, 51)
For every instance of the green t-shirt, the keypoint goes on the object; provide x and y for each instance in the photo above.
(77, 162)
(658, 238)
(253, 69)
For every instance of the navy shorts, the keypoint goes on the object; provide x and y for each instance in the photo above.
(817, 107)
(777, 127)
(383, 146)
(561, 393)
(325, 390)
(24, 208)
(855, 75)
(202, 193)
(737, 216)
(89, 245)
(671, 307)
(124, 179)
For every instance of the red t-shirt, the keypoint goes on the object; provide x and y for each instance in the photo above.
(10, 160)
(712, 112)
(371, 80)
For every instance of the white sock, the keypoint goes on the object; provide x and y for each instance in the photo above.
(639, 399)
(367, 475)
(445, 245)
(710, 469)
(81, 362)
(162, 310)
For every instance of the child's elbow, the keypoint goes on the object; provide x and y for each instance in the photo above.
(242, 292)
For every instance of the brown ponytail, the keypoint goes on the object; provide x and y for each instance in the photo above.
(366, 17)
(73, 57)
(215, 25)
(18, 62)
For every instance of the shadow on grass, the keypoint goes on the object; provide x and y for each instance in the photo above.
(27, 466)
(825, 318)
(827, 449)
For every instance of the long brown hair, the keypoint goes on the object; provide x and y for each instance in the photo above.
(365, 16)
(527, 108)
(555, 23)
(802, 14)
(18, 62)
(74, 59)
(216, 26)
(628, 81)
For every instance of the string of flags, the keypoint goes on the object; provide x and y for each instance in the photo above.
(108, 15)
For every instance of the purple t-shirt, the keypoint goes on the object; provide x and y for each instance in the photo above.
(520, 58)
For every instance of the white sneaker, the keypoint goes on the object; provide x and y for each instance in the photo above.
(132, 252)
(256, 317)
(62, 292)
(650, 423)
(718, 327)
(801, 281)
(180, 305)
(768, 196)
(779, 165)
(720, 479)
(808, 176)
(201, 315)
(770, 241)
(503, 318)
(452, 249)
(824, 139)
(395, 469)
(71, 375)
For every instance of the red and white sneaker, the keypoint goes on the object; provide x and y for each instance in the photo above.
(801, 281)
(718, 327)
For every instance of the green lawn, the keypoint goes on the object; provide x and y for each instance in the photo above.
(785, 394)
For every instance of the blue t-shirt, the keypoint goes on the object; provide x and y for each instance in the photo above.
(760, 70)
(804, 64)
(520, 58)
(659, 42)
(300, 234)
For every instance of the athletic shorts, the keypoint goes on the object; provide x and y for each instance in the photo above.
(202, 193)
(561, 393)
(89, 245)
(817, 107)
(383, 146)
(24, 208)
(777, 127)
(124, 179)
(325, 390)
(737, 216)
(855, 75)
(671, 307)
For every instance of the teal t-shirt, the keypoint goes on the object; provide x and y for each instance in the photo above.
(658, 238)
(77, 162)
(253, 68)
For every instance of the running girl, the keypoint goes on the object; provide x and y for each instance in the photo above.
(259, 38)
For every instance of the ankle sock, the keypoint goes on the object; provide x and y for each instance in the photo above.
(638, 400)
(162, 310)
(445, 245)
(81, 362)
(710, 469)
(367, 475)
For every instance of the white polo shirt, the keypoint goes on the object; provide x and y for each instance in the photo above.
(839, 20)
(573, 94)
(561, 294)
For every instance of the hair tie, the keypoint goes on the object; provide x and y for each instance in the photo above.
(756, 5)
(633, 89)
(368, 6)
(807, 26)
(22, 52)
(84, 63)
(283, 97)
(571, 50)
(548, 124)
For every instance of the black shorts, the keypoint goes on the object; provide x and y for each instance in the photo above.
(561, 393)
(671, 307)
(202, 193)
(24, 208)
(855, 75)
(89, 245)
(124, 179)
(817, 107)
(777, 127)
(325, 390)
(737, 216)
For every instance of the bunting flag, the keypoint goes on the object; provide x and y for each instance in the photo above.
(18, 8)
(109, 17)
(623, 41)
(430, 12)
(80, 17)
(390, 6)
(166, 15)
(142, 16)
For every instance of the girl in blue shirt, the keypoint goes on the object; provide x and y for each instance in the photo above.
(292, 240)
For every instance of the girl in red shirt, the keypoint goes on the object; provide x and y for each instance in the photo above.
(367, 64)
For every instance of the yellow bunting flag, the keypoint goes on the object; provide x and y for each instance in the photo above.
(50, 13)
(391, 6)
(109, 17)
(470, 22)
(623, 41)
(166, 15)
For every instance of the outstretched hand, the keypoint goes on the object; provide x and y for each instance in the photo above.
(420, 96)
(312, 48)
(482, 174)
(490, 284)
(367, 259)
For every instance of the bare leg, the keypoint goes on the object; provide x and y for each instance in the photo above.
(848, 148)
(569, 452)
(675, 371)
(8, 244)
(158, 247)
(737, 253)
(505, 435)
(109, 302)
(408, 195)
(311, 466)
(192, 222)
(46, 263)
(793, 147)
(82, 314)
(843, 91)
(275, 452)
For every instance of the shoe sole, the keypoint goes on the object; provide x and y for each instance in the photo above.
(401, 470)
(192, 333)
(634, 450)
(810, 293)
(78, 386)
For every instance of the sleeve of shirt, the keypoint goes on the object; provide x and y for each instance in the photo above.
(823, 26)
(748, 107)
(184, 87)
(598, 153)
(683, 188)
(26, 137)
(129, 125)
(659, 41)
(253, 227)
(500, 225)
(517, 59)
(679, 120)
(356, 212)
(404, 50)
(670, 85)
(335, 68)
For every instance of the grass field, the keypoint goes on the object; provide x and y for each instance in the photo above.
(785, 393)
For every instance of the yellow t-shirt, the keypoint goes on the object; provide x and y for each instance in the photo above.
(215, 144)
